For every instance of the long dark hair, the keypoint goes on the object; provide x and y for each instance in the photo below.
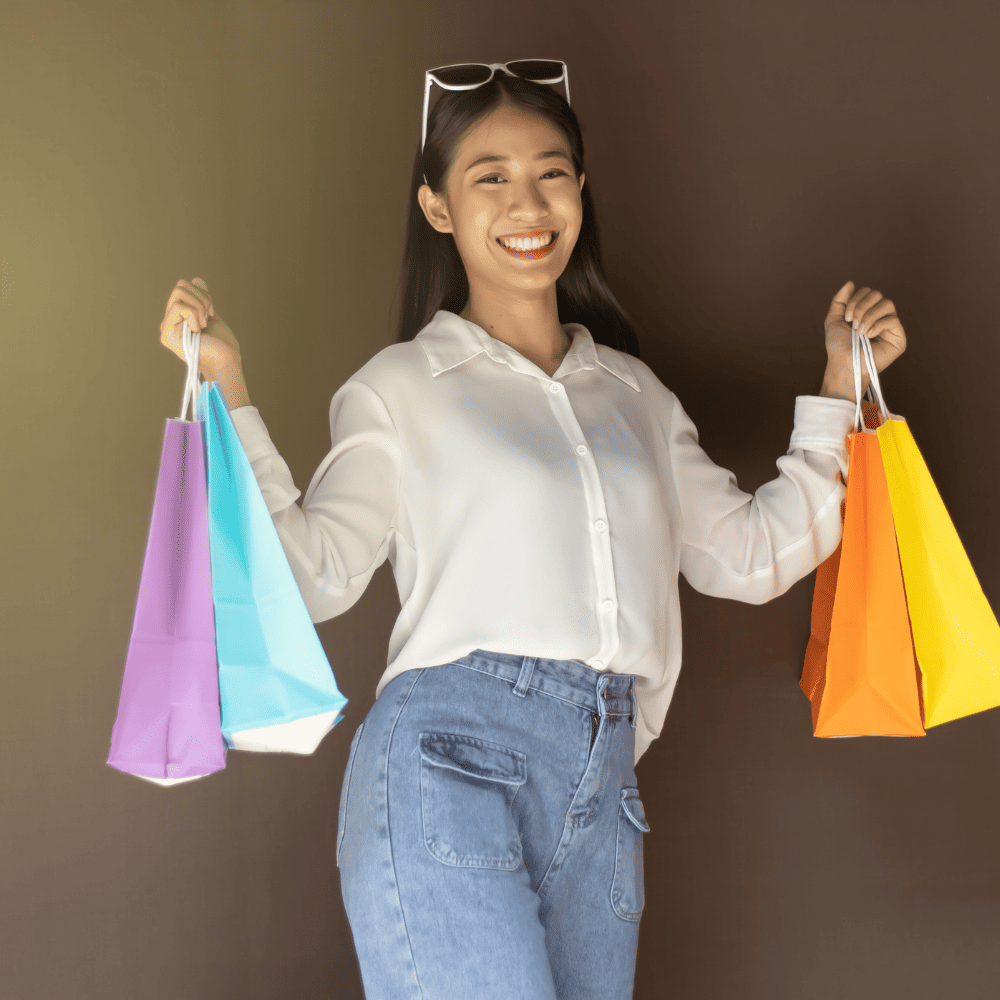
(433, 276)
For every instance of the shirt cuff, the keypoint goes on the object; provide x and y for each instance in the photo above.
(270, 470)
(252, 432)
(822, 421)
(824, 424)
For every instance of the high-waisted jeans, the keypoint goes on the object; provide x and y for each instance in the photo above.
(490, 830)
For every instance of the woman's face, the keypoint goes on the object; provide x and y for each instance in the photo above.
(512, 175)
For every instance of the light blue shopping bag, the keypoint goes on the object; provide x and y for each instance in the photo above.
(276, 688)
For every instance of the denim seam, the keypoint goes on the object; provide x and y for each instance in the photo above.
(399, 711)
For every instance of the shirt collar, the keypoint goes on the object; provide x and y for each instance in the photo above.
(448, 340)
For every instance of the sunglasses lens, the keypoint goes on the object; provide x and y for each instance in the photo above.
(536, 69)
(463, 76)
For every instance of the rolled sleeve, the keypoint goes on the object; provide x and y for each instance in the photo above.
(753, 548)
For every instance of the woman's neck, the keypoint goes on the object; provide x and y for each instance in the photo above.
(531, 328)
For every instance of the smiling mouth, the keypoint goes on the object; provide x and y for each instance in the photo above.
(531, 252)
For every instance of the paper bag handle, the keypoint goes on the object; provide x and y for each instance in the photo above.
(192, 351)
(861, 348)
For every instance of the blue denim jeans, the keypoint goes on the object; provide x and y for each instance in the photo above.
(489, 837)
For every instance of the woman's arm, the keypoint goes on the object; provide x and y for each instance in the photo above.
(233, 386)
(342, 530)
(834, 387)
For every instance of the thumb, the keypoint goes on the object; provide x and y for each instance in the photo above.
(840, 300)
(844, 294)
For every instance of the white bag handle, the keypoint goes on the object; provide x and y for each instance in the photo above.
(861, 347)
(192, 351)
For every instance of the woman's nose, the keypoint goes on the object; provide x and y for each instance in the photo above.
(527, 202)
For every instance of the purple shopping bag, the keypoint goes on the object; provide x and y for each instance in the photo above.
(169, 726)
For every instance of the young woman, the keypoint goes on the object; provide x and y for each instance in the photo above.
(537, 490)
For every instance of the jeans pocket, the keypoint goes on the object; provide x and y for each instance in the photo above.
(627, 892)
(345, 790)
(467, 789)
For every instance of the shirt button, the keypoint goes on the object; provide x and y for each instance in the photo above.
(555, 387)
(608, 603)
(598, 664)
(600, 525)
(581, 449)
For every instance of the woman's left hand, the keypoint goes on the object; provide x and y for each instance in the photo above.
(876, 319)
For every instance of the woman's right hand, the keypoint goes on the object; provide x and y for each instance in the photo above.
(220, 350)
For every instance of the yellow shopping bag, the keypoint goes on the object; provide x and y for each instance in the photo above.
(955, 633)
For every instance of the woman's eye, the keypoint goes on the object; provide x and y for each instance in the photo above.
(490, 177)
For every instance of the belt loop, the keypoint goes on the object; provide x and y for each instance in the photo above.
(601, 685)
(635, 707)
(524, 677)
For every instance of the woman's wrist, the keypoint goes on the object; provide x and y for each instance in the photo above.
(233, 386)
(837, 388)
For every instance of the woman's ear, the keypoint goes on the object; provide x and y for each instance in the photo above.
(583, 177)
(435, 209)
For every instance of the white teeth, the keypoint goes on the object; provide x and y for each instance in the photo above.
(526, 243)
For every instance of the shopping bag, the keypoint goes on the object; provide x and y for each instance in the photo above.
(955, 632)
(168, 725)
(860, 672)
(824, 592)
(276, 687)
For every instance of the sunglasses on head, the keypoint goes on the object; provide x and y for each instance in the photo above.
(468, 76)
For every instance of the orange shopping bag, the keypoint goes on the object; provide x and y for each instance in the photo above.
(860, 671)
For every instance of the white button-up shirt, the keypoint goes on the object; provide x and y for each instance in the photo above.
(542, 516)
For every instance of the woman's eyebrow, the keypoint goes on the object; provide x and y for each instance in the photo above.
(493, 158)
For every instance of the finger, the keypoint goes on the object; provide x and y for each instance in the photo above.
(887, 331)
(878, 328)
(191, 293)
(187, 307)
(199, 289)
(183, 306)
(182, 312)
(867, 303)
(872, 314)
(885, 352)
(180, 298)
(200, 282)
(853, 301)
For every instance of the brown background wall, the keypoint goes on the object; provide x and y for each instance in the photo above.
(747, 160)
